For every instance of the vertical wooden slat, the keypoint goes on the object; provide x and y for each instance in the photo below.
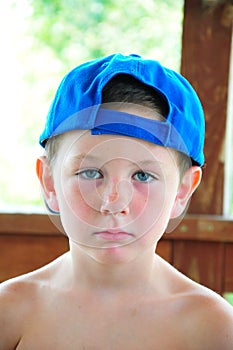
(23, 253)
(164, 249)
(228, 285)
(206, 48)
(201, 261)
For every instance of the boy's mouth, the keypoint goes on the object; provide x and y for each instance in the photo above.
(113, 235)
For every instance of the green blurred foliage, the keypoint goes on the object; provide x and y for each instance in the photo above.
(229, 297)
(77, 30)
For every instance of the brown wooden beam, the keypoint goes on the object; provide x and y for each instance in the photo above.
(193, 227)
(210, 228)
(29, 224)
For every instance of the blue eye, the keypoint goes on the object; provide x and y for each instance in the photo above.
(143, 176)
(90, 174)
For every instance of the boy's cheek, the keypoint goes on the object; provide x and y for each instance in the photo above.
(75, 204)
(148, 212)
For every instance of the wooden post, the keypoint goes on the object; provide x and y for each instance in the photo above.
(206, 47)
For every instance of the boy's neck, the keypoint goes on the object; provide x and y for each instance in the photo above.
(121, 277)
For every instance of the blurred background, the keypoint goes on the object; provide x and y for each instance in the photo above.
(40, 41)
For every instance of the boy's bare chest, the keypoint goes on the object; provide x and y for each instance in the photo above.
(98, 327)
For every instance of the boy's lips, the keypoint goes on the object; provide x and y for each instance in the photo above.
(113, 235)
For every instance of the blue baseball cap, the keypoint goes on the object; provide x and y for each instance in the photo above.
(77, 105)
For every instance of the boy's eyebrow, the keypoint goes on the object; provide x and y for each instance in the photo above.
(149, 162)
(82, 156)
(89, 157)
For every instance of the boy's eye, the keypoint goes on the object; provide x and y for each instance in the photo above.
(143, 176)
(90, 174)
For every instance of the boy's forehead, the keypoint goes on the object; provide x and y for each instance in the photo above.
(85, 147)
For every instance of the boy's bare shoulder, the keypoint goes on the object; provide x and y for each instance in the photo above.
(208, 318)
(201, 314)
(15, 304)
(19, 297)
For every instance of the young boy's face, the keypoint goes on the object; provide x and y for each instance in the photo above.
(115, 194)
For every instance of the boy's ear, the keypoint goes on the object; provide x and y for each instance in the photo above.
(188, 185)
(45, 177)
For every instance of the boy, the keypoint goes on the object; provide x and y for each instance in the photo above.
(123, 154)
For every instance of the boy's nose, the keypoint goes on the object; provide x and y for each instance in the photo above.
(116, 198)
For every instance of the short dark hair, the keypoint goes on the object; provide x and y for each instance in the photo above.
(125, 88)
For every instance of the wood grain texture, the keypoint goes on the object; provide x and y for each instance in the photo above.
(228, 268)
(206, 47)
(201, 261)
